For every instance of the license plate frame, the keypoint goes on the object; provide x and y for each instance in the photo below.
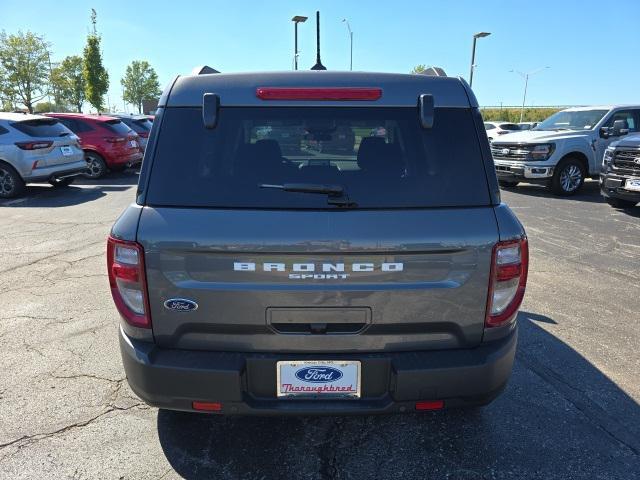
(632, 184)
(346, 386)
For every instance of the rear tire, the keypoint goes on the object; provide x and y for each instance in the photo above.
(620, 203)
(11, 183)
(568, 177)
(62, 182)
(507, 183)
(96, 166)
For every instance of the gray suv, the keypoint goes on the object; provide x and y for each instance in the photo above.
(34, 148)
(383, 278)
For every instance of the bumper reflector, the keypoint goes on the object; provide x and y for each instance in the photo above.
(207, 406)
(430, 405)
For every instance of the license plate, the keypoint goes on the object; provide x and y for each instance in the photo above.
(318, 379)
(66, 150)
(133, 144)
(632, 184)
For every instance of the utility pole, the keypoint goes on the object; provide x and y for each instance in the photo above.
(344, 20)
(526, 84)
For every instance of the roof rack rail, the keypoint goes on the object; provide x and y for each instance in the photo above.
(434, 72)
(203, 70)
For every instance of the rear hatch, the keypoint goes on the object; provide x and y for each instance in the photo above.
(384, 247)
(50, 143)
(122, 138)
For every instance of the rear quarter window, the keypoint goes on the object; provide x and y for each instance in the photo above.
(50, 127)
(380, 156)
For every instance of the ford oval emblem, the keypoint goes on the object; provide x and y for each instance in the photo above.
(180, 305)
(319, 374)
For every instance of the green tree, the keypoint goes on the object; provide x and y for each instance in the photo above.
(418, 69)
(95, 75)
(24, 61)
(140, 83)
(49, 107)
(67, 80)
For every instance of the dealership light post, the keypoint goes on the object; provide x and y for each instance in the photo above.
(296, 20)
(344, 20)
(526, 83)
(476, 36)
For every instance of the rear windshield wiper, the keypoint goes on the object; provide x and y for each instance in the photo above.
(336, 193)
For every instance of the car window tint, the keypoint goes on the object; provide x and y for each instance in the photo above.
(116, 126)
(41, 127)
(381, 156)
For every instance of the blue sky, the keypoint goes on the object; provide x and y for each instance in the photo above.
(584, 43)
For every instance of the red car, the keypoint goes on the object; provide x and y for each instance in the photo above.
(107, 142)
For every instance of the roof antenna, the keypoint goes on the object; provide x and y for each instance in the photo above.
(318, 65)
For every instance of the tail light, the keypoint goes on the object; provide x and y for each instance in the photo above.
(335, 93)
(115, 139)
(33, 145)
(509, 266)
(127, 278)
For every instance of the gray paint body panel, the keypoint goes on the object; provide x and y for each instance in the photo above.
(239, 89)
(436, 301)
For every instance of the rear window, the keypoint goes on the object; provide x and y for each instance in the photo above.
(49, 127)
(381, 157)
(116, 126)
(141, 125)
(509, 126)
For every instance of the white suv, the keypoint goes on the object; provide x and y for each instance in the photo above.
(564, 149)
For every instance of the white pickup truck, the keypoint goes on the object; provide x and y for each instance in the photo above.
(564, 149)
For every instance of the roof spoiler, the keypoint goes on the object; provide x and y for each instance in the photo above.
(434, 72)
(203, 70)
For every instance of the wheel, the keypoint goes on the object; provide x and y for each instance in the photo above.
(11, 183)
(62, 182)
(568, 177)
(620, 203)
(507, 183)
(96, 167)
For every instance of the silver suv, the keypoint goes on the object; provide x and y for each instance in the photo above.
(384, 277)
(36, 149)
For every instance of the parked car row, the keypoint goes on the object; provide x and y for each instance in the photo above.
(57, 147)
(571, 145)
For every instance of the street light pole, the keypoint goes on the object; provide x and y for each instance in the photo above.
(296, 20)
(476, 36)
(526, 84)
(351, 40)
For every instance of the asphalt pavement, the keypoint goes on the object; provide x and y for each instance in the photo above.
(570, 410)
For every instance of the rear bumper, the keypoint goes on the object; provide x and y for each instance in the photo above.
(245, 383)
(57, 172)
(612, 185)
(124, 159)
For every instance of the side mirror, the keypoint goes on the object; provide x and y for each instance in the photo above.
(620, 127)
(210, 106)
(604, 132)
(426, 109)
